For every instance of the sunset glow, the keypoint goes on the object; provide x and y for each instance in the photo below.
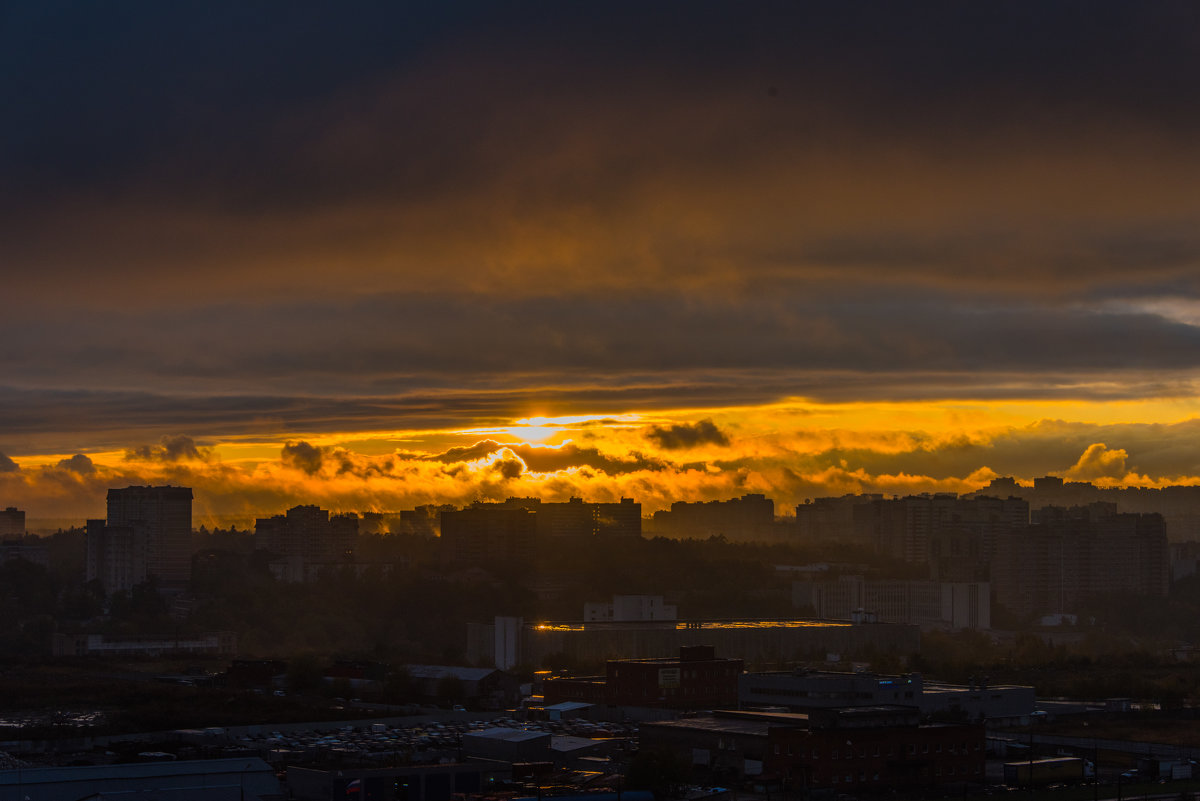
(392, 258)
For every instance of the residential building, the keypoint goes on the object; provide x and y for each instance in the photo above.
(309, 532)
(1072, 556)
(928, 604)
(12, 523)
(26, 550)
(957, 535)
(748, 518)
(488, 535)
(576, 519)
(147, 533)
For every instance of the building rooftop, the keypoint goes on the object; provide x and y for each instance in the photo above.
(508, 735)
(136, 770)
(437, 671)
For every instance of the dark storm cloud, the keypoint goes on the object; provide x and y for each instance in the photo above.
(407, 343)
(218, 217)
(170, 449)
(438, 360)
(549, 460)
(303, 456)
(687, 435)
(403, 145)
(470, 453)
(78, 464)
(542, 459)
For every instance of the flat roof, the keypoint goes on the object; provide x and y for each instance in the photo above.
(507, 735)
(135, 770)
(754, 728)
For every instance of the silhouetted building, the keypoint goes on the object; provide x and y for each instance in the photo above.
(424, 521)
(617, 520)
(306, 541)
(929, 604)
(576, 519)
(488, 534)
(1072, 556)
(833, 519)
(957, 535)
(147, 533)
(22, 549)
(750, 517)
(12, 523)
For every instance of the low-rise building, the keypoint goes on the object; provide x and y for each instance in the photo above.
(696, 679)
(813, 689)
(862, 748)
(221, 643)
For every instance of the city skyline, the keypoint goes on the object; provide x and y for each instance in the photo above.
(691, 252)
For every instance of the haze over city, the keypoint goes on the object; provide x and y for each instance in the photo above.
(389, 256)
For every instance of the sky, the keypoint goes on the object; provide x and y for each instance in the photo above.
(390, 254)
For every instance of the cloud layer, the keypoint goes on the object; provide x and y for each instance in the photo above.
(298, 231)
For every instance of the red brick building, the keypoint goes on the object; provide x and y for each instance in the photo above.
(876, 747)
(696, 679)
(847, 749)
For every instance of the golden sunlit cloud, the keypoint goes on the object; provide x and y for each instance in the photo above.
(790, 451)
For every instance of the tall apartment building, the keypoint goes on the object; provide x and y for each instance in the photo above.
(929, 604)
(307, 538)
(953, 533)
(832, 519)
(147, 533)
(576, 519)
(12, 522)
(488, 534)
(750, 517)
(1071, 556)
